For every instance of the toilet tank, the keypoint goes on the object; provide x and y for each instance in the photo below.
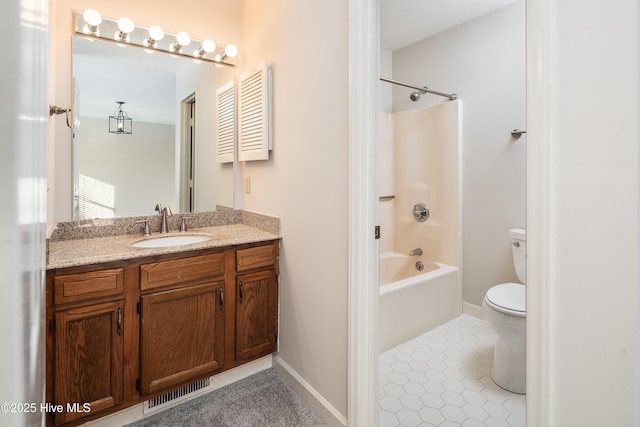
(518, 249)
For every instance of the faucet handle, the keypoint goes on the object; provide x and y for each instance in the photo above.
(183, 227)
(146, 231)
(159, 208)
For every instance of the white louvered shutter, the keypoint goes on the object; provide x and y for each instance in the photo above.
(254, 123)
(226, 123)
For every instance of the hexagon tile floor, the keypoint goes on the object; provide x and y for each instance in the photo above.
(443, 378)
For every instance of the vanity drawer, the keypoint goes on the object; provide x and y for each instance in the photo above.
(88, 285)
(260, 256)
(175, 271)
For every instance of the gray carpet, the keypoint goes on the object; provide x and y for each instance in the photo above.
(263, 399)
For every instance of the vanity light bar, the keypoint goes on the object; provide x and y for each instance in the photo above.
(91, 24)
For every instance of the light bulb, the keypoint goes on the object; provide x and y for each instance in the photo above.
(208, 46)
(92, 17)
(125, 25)
(183, 38)
(231, 51)
(155, 34)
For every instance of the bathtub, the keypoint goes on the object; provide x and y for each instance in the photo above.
(413, 302)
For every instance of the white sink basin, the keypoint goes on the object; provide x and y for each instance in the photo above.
(163, 242)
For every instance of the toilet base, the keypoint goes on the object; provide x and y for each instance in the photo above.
(509, 366)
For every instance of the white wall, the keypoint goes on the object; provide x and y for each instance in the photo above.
(220, 20)
(483, 62)
(582, 213)
(140, 166)
(305, 182)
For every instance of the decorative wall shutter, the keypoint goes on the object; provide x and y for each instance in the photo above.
(254, 124)
(226, 123)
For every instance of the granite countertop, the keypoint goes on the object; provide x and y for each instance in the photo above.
(76, 252)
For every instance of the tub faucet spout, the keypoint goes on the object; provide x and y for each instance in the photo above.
(416, 252)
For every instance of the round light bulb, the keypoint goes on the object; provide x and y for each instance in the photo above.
(92, 17)
(156, 33)
(183, 38)
(125, 25)
(231, 51)
(208, 45)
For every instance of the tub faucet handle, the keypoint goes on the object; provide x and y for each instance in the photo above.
(420, 212)
(416, 252)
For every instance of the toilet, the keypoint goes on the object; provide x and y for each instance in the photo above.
(504, 308)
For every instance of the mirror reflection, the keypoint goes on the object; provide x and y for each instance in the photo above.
(169, 158)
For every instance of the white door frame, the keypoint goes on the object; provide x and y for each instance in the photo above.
(364, 63)
(187, 153)
(539, 199)
(363, 251)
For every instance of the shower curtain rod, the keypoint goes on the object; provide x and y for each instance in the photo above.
(424, 89)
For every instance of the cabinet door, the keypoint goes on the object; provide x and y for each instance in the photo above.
(181, 335)
(88, 359)
(256, 314)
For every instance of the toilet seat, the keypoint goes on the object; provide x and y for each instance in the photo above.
(508, 298)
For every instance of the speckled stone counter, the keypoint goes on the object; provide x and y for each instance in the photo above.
(105, 241)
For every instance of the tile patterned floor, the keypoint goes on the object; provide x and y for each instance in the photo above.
(443, 378)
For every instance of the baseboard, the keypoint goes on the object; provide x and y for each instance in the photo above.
(135, 413)
(319, 404)
(472, 310)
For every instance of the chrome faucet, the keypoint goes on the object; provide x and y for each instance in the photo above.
(416, 252)
(165, 212)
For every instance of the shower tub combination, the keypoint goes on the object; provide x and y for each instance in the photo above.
(413, 302)
(420, 285)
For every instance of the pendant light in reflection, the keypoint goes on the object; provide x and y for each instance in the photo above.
(119, 121)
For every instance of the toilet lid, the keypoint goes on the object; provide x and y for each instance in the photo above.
(509, 298)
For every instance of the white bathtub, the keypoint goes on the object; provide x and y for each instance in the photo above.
(413, 302)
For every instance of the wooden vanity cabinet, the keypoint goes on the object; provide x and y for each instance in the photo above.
(85, 344)
(123, 332)
(256, 315)
(181, 321)
(256, 308)
(89, 354)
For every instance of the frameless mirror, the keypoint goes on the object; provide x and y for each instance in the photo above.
(170, 156)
